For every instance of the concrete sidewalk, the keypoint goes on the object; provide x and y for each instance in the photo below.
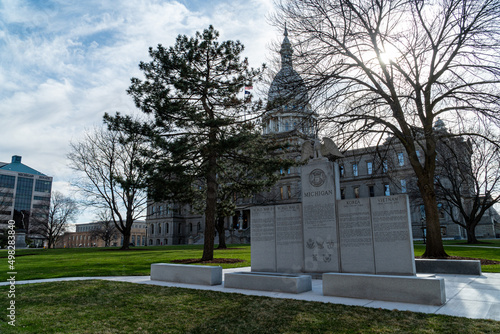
(476, 297)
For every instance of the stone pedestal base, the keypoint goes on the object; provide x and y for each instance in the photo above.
(405, 289)
(268, 282)
(185, 273)
(20, 240)
(452, 267)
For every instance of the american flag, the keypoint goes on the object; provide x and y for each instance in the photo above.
(247, 89)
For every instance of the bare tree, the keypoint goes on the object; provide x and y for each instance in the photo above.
(110, 176)
(469, 181)
(104, 229)
(6, 200)
(51, 221)
(379, 68)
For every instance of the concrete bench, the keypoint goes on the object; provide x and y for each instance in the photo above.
(277, 282)
(444, 266)
(185, 273)
(405, 289)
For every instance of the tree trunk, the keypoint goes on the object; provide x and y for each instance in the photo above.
(50, 240)
(126, 240)
(471, 235)
(126, 234)
(127, 231)
(434, 243)
(222, 233)
(211, 206)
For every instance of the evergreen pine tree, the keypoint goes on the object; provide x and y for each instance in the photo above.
(202, 133)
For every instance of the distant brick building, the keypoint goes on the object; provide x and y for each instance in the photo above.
(83, 237)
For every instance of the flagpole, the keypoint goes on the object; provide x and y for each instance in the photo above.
(246, 91)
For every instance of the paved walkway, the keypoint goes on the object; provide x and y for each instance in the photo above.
(476, 297)
(474, 246)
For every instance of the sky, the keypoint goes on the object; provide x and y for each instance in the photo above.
(64, 63)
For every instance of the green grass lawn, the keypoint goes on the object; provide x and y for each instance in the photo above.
(114, 307)
(72, 262)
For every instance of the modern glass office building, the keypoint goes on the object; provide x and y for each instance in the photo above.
(24, 192)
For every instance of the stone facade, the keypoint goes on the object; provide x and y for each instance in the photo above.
(385, 171)
(173, 224)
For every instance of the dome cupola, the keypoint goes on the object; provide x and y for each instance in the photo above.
(288, 106)
(288, 88)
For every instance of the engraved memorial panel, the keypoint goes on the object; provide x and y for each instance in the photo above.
(289, 242)
(263, 238)
(319, 222)
(392, 235)
(356, 240)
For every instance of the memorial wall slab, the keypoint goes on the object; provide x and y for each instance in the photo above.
(263, 238)
(289, 241)
(392, 236)
(323, 234)
(356, 239)
(321, 252)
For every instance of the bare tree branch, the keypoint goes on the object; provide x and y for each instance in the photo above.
(52, 223)
(381, 68)
(110, 176)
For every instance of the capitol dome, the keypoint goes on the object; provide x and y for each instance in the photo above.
(288, 106)
(287, 88)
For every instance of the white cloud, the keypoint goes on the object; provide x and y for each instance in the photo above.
(63, 64)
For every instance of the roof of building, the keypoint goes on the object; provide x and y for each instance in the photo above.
(17, 166)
